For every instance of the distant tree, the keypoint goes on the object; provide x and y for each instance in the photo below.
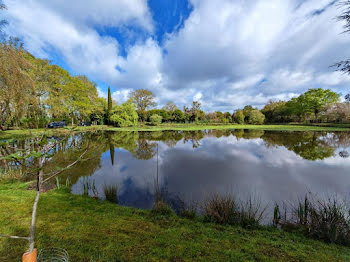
(179, 116)
(170, 107)
(228, 117)
(156, 119)
(161, 112)
(124, 115)
(143, 99)
(195, 111)
(219, 116)
(109, 104)
(255, 117)
(200, 115)
(337, 113)
(238, 117)
(246, 111)
(275, 111)
(16, 86)
(99, 110)
(316, 99)
(295, 109)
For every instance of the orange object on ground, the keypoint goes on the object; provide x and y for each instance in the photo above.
(29, 257)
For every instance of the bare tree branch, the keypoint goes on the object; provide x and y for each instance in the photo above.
(67, 167)
(344, 66)
(32, 226)
(14, 237)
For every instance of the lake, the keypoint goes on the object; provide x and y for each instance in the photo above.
(189, 166)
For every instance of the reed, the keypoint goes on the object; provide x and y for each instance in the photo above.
(89, 186)
(111, 193)
(323, 219)
(228, 210)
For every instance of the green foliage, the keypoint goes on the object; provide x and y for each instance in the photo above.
(143, 100)
(255, 117)
(238, 117)
(35, 90)
(315, 99)
(170, 107)
(166, 115)
(111, 232)
(311, 103)
(155, 119)
(124, 115)
(162, 209)
(275, 112)
(179, 116)
(111, 193)
(109, 105)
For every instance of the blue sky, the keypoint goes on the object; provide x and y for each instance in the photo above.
(224, 53)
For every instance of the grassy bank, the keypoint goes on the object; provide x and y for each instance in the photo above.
(194, 127)
(9, 134)
(93, 230)
(163, 127)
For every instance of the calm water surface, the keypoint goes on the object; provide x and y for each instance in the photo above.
(192, 165)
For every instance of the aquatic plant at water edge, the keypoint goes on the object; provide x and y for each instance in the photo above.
(111, 193)
(220, 209)
(324, 219)
(160, 208)
(228, 210)
(89, 186)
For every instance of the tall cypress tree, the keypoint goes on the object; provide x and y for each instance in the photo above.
(109, 109)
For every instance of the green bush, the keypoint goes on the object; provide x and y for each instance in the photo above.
(155, 119)
(162, 209)
(124, 115)
(239, 117)
(255, 117)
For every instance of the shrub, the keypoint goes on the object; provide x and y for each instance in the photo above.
(255, 117)
(124, 115)
(188, 210)
(251, 213)
(221, 210)
(238, 117)
(155, 119)
(111, 193)
(327, 220)
(162, 209)
(227, 210)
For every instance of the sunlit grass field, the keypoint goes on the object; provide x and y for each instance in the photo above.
(95, 230)
(163, 127)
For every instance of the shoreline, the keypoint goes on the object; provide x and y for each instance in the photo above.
(13, 134)
(107, 231)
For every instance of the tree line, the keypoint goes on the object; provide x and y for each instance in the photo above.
(34, 92)
(315, 105)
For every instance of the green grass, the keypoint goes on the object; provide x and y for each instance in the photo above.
(94, 230)
(21, 133)
(163, 127)
(194, 127)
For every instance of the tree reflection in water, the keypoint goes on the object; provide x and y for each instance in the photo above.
(142, 145)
